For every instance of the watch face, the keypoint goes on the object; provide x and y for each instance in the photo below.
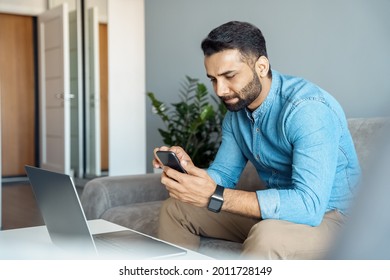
(215, 205)
(216, 200)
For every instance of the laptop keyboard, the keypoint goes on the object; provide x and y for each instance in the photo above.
(107, 245)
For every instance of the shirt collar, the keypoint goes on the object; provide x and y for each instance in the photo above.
(275, 85)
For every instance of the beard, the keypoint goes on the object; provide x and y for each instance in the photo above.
(245, 96)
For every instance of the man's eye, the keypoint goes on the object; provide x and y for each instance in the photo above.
(229, 77)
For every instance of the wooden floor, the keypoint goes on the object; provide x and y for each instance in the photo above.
(19, 207)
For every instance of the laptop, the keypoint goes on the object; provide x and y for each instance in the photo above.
(67, 225)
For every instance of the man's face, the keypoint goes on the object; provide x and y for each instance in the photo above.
(235, 82)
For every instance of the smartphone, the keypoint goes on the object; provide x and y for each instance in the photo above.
(169, 158)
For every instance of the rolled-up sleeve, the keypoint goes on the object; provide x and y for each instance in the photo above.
(314, 135)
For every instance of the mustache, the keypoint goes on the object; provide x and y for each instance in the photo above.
(224, 98)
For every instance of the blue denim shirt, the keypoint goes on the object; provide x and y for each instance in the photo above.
(300, 145)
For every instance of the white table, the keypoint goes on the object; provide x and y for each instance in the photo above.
(35, 243)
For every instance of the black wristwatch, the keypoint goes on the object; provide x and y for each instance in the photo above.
(216, 200)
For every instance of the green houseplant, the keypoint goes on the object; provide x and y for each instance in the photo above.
(194, 123)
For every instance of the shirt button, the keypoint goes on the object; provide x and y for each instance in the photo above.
(257, 130)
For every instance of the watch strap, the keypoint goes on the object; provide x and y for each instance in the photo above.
(219, 191)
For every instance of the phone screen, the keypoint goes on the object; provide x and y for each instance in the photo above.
(170, 159)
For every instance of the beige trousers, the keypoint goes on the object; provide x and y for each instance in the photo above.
(183, 224)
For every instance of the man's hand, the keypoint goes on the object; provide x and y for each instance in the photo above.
(194, 188)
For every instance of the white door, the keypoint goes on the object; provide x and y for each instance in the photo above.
(92, 93)
(53, 33)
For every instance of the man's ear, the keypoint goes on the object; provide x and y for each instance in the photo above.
(262, 66)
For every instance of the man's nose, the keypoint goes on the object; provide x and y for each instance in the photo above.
(221, 89)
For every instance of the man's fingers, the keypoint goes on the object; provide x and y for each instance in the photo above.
(195, 171)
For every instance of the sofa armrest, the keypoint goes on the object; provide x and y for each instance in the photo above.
(103, 193)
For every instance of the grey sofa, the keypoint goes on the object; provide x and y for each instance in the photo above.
(134, 201)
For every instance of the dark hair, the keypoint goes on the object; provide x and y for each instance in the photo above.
(243, 36)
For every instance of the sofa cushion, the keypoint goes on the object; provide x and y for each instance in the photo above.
(367, 134)
(142, 217)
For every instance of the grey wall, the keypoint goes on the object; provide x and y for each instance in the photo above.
(342, 45)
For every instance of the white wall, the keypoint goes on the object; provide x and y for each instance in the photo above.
(126, 68)
(342, 45)
(23, 7)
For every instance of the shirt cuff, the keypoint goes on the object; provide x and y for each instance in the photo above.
(269, 202)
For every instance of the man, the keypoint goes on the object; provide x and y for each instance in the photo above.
(296, 136)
